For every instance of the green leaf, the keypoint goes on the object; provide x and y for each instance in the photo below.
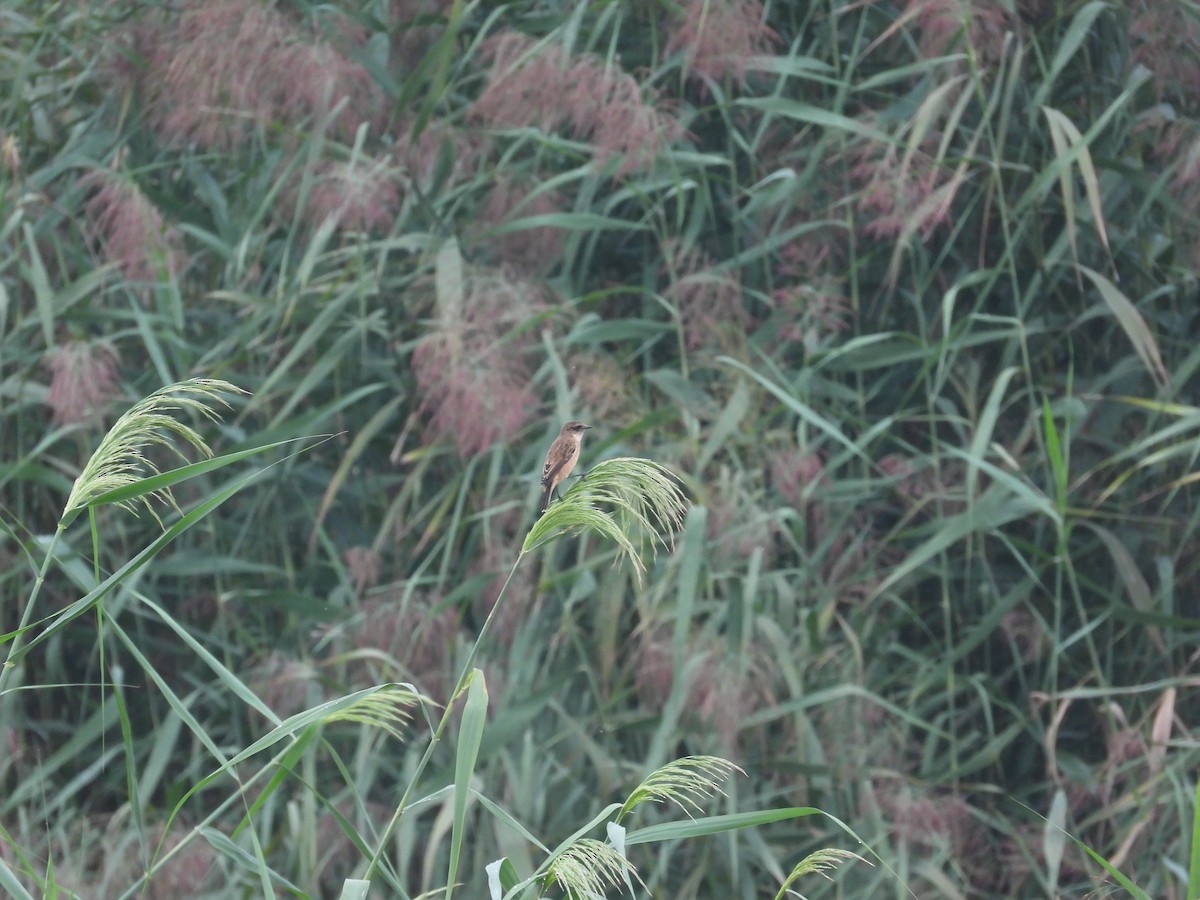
(813, 115)
(151, 484)
(699, 827)
(470, 735)
(502, 878)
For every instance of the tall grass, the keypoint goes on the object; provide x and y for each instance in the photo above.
(899, 296)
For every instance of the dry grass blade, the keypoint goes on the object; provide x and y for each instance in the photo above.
(1071, 147)
(1134, 326)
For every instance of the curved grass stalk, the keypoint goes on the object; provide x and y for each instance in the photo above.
(681, 781)
(819, 861)
(621, 499)
(116, 472)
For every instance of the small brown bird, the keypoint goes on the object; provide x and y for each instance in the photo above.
(561, 458)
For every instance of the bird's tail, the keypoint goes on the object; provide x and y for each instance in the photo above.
(546, 497)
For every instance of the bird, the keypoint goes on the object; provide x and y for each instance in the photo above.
(561, 458)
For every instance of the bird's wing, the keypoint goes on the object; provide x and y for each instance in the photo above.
(553, 467)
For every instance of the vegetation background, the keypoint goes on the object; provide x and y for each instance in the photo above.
(904, 293)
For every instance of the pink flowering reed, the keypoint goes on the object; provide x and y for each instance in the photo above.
(1166, 40)
(944, 25)
(221, 69)
(901, 193)
(530, 251)
(192, 866)
(810, 313)
(442, 149)
(709, 302)
(542, 85)
(287, 685)
(360, 195)
(605, 388)
(793, 471)
(720, 695)
(719, 38)
(473, 370)
(415, 27)
(83, 380)
(130, 229)
(362, 565)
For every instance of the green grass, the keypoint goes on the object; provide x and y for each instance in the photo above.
(884, 546)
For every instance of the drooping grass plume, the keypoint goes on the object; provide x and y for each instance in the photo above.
(819, 861)
(620, 499)
(387, 709)
(121, 459)
(83, 380)
(120, 465)
(587, 868)
(131, 229)
(681, 782)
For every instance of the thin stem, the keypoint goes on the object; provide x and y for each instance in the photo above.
(463, 679)
(27, 613)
